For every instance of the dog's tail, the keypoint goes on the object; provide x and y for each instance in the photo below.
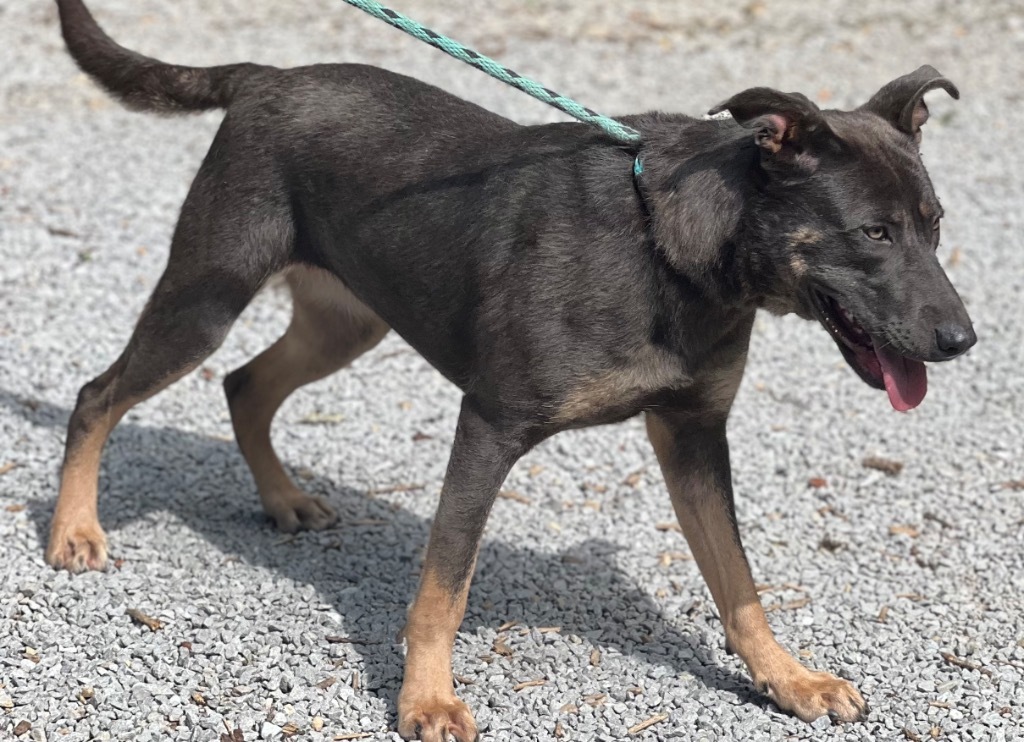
(142, 83)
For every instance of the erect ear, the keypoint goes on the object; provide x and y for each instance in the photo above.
(785, 123)
(901, 102)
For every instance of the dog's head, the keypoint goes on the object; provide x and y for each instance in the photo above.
(855, 223)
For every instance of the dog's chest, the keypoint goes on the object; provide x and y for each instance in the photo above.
(617, 393)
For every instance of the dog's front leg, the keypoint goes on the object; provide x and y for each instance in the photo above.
(694, 457)
(481, 458)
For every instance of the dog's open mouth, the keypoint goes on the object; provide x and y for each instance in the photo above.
(905, 379)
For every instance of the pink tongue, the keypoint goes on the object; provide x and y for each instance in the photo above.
(906, 381)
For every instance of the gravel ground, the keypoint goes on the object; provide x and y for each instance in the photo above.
(872, 575)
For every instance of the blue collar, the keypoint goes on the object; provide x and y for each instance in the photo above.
(638, 167)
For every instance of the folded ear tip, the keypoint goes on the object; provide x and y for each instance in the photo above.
(939, 80)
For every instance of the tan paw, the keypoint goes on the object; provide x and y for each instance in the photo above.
(810, 695)
(77, 547)
(436, 720)
(296, 511)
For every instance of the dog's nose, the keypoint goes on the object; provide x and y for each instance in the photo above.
(954, 339)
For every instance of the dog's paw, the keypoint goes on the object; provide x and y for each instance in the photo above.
(77, 547)
(810, 695)
(296, 511)
(436, 720)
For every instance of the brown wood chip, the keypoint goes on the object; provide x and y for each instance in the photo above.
(817, 482)
(883, 614)
(569, 708)
(831, 510)
(17, 508)
(149, 622)
(940, 704)
(550, 629)
(889, 466)
(666, 558)
(559, 730)
(289, 730)
(198, 698)
(10, 465)
(501, 648)
(232, 736)
(595, 658)
(669, 526)
(420, 436)
(938, 519)
(352, 735)
(656, 719)
(327, 682)
(908, 734)
(513, 495)
(23, 728)
(395, 488)
(595, 699)
(952, 659)
(529, 684)
(507, 625)
(1016, 485)
(634, 479)
(463, 680)
(899, 530)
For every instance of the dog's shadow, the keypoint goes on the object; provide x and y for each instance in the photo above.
(365, 567)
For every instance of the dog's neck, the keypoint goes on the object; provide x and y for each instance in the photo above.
(700, 184)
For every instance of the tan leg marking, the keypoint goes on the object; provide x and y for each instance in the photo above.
(428, 708)
(706, 523)
(650, 371)
(330, 328)
(77, 542)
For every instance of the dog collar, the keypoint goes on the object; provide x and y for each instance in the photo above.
(638, 186)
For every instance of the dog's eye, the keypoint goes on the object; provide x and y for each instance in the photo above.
(878, 234)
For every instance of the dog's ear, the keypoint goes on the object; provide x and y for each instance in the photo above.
(785, 124)
(901, 102)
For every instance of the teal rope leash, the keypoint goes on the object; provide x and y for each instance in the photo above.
(610, 126)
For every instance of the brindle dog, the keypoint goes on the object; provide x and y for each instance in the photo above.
(530, 267)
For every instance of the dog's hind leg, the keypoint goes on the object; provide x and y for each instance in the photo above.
(694, 458)
(218, 261)
(181, 325)
(330, 328)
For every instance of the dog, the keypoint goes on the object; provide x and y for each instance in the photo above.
(539, 273)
